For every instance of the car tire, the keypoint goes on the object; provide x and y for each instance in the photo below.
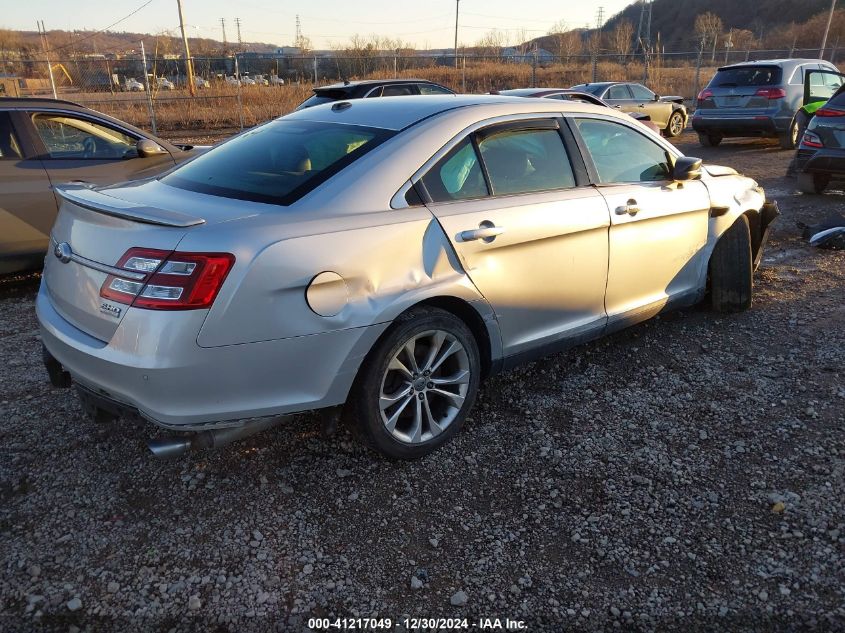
(432, 407)
(732, 269)
(709, 140)
(675, 125)
(809, 182)
(790, 139)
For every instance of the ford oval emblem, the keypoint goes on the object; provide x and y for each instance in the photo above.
(64, 252)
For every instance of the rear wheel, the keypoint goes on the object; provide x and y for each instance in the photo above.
(709, 140)
(417, 384)
(675, 125)
(809, 182)
(790, 139)
(731, 269)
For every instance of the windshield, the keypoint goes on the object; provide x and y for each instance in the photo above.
(278, 162)
(747, 76)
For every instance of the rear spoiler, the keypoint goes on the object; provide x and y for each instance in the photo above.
(87, 198)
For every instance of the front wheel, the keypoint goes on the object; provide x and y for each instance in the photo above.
(732, 269)
(417, 384)
(675, 125)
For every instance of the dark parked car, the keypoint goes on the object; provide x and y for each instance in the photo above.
(47, 142)
(567, 94)
(821, 153)
(373, 88)
(759, 98)
(667, 113)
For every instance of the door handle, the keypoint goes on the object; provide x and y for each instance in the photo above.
(629, 208)
(486, 231)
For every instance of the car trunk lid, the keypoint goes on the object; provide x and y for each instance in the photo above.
(92, 232)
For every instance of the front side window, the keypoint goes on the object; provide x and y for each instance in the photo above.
(67, 136)
(456, 176)
(9, 147)
(621, 154)
(524, 161)
(278, 162)
(641, 92)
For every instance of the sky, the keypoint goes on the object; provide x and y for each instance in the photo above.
(425, 23)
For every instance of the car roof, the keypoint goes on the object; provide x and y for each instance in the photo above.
(398, 113)
(371, 82)
(776, 62)
(41, 102)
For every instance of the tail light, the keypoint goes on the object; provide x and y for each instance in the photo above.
(705, 94)
(829, 112)
(771, 93)
(811, 139)
(173, 281)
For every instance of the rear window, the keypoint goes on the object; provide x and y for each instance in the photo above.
(277, 163)
(323, 96)
(838, 98)
(747, 76)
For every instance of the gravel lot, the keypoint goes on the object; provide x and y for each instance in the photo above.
(688, 472)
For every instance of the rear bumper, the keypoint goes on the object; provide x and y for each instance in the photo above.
(825, 160)
(739, 125)
(154, 366)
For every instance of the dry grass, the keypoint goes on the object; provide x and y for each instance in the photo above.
(218, 109)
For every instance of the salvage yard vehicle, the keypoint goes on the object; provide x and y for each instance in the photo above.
(47, 142)
(821, 152)
(383, 253)
(370, 88)
(667, 113)
(567, 94)
(759, 98)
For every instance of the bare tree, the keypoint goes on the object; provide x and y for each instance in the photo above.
(708, 26)
(492, 43)
(621, 39)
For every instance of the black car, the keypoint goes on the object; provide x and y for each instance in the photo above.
(373, 88)
(821, 151)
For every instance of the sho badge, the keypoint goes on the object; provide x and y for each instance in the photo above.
(110, 309)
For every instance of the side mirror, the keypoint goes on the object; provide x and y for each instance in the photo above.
(147, 148)
(657, 97)
(686, 168)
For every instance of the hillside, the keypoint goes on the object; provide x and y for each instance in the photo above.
(674, 19)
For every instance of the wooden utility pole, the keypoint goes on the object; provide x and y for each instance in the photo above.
(457, 5)
(189, 63)
(827, 28)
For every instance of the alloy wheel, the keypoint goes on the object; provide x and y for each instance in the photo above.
(676, 124)
(424, 386)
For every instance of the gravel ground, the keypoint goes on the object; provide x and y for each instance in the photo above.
(687, 472)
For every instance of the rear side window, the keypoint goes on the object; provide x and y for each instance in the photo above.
(9, 147)
(456, 176)
(747, 76)
(618, 92)
(397, 91)
(431, 89)
(524, 161)
(278, 162)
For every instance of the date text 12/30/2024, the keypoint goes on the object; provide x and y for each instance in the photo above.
(416, 624)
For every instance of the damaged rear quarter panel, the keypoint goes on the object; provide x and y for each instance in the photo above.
(388, 260)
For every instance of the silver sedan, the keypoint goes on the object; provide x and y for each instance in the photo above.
(385, 255)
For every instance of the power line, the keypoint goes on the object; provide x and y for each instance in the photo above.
(103, 30)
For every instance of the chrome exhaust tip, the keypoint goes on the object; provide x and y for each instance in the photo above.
(169, 447)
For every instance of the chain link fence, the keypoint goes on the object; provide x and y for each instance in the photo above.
(231, 93)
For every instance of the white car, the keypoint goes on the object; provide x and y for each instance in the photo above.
(247, 81)
(201, 83)
(233, 81)
(133, 85)
(165, 84)
(384, 253)
(275, 80)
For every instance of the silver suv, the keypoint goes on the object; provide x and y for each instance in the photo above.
(759, 98)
